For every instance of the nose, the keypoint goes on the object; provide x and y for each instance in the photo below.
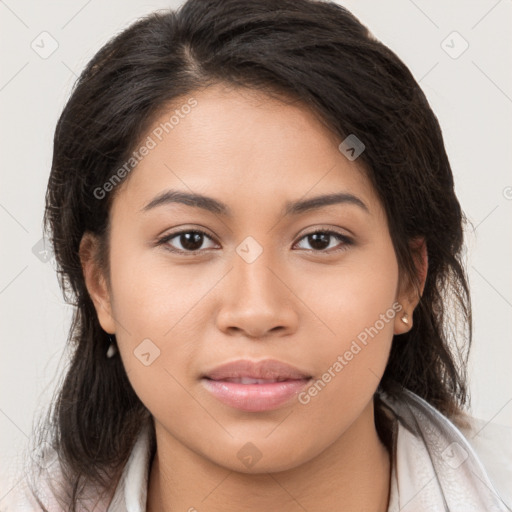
(257, 301)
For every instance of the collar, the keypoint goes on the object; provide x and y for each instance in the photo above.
(434, 467)
(131, 491)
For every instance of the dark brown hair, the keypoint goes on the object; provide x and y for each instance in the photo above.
(310, 51)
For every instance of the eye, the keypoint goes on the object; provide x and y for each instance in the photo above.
(319, 240)
(190, 241)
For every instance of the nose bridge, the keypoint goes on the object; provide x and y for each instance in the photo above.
(255, 300)
(254, 273)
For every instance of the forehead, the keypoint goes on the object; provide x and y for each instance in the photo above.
(244, 147)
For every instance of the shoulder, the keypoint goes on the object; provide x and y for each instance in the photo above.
(492, 443)
(41, 486)
(462, 463)
(27, 484)
(24, 498)
(29, 494)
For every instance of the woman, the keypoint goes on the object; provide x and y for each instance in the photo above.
(252, 208)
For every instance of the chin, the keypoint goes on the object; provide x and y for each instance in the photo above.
(251, 460)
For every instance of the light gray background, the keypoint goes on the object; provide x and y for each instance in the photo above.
(471, 96)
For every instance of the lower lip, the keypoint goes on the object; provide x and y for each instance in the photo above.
(255, 397)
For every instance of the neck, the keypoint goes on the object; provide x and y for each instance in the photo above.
(351, 474)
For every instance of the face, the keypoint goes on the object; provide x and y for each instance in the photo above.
(193, 288)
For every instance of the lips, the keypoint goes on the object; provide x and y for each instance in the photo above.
(267, 369)
(249, 380)
(255, 386)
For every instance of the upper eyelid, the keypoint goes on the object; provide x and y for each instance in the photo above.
(202, 230)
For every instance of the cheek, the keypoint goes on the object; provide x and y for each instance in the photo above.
(357, 306)
(151, 295)
(149, 304)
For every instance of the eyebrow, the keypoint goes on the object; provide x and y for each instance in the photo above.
(213, 205)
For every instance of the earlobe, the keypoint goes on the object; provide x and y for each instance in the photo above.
(403, 321)
(95, 281)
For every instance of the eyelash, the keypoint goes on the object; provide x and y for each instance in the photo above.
(342, 238)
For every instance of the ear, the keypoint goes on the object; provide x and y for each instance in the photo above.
(411, 292)
(96, 282)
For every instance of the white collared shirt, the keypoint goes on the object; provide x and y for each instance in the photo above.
(436, 467)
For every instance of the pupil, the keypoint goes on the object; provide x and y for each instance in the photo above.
(189, 240)
(193, 240)
(317, 240)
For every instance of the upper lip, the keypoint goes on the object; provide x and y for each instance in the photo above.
(264, 369)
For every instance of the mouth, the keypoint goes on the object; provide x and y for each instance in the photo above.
(255, 386)
(250, 380)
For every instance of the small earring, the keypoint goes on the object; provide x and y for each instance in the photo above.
(112, 349)
(405, 318)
